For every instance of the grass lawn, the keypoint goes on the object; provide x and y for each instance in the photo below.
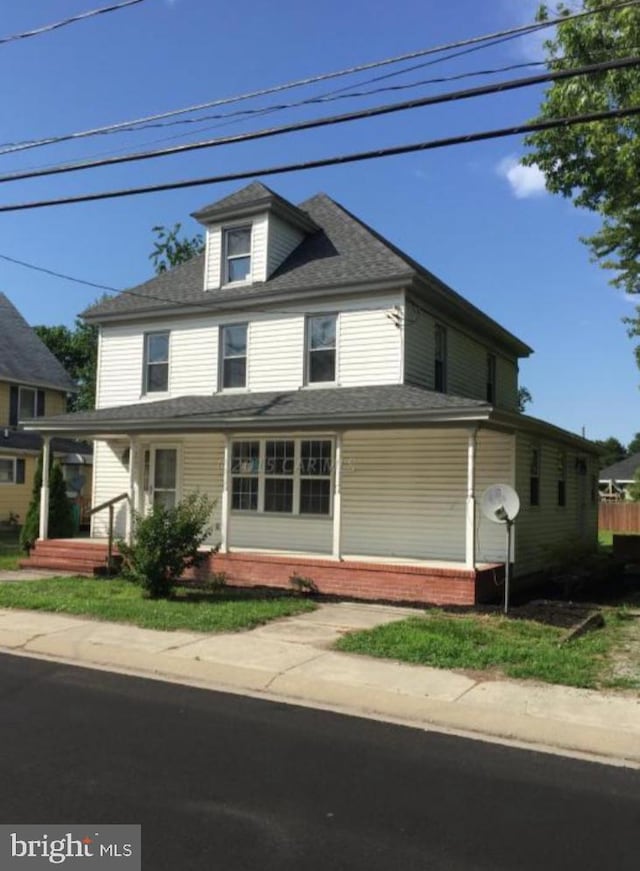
(122, 602)
(516, 648)
(605, 538)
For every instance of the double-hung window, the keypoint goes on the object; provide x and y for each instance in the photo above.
(440, 359)
(11, 470)
(321, 348)
(156, 362)
(27, 403)
(245, 469)
(491, 378)
(534, 477)
(233, 350)
(282, 476)
(237, 254)
(562, 480)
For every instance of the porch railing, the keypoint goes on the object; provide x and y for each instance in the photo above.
(110, 505)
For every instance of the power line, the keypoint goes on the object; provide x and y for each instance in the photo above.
(510, 32)
(418, 102)
(47, 28)
(58, 274)
(429, 145)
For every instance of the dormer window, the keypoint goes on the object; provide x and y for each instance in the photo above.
(237, 254)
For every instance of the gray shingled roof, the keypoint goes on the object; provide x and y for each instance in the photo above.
(343, 252)
(24, 358)
(329, 406)
(16, 440)
(624, 470)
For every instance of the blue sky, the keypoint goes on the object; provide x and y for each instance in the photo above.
(470, 214)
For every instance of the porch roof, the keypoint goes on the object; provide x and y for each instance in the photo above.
(312, 407)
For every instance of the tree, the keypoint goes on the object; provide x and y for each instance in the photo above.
(524, 398)
(596, 164)
(60, 510)
(633, 491)
(170, 250)
(612, 451)
(634, 445)
(77, 350)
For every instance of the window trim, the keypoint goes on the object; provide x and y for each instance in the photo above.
(440, 329)
(146, 363)
(222, 358)
(296, 476)
(226, 257)
(307, 349)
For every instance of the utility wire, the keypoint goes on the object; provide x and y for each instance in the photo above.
(47, 28)
(510, 32)
(429, 145)
(58, 274)
(418, 102)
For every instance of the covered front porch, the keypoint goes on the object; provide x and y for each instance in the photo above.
(383, 509)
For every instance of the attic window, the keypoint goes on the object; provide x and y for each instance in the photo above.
(237, 254)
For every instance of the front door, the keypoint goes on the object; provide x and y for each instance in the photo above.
(161, 476)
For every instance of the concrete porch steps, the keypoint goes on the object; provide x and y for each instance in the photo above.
(75, 556)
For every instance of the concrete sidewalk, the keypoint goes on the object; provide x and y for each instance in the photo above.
(291, 660)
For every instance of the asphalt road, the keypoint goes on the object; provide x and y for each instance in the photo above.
(225, 782)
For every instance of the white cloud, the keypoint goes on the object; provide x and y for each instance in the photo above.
(525, 181)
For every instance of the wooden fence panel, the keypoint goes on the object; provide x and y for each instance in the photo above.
(619, 516)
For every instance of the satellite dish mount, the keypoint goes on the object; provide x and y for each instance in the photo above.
(500, 504)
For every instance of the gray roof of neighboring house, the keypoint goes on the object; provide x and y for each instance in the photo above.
(624, 470)
(343, 253)
(24, 358)
(15, 440)
(388, 404)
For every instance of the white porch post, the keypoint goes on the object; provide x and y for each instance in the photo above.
(470, 535)
(224, 507)
(133, 486)
(337, 500)
(44, 489)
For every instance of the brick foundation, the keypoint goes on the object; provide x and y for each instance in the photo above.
(359, 580)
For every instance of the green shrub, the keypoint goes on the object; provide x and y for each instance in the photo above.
(60, 509)
(165, 544)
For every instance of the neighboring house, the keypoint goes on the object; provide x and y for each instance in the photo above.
(32, 384)
(343, 406)
(615, 479)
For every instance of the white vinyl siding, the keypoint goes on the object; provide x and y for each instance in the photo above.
(276, 353)
(369, 351)
(404, 492)
(495, 457)
(202, 472)
(283, 239)
(543, 530)
(369, 348)
(111, 478)
(466, 361)
(281, 533)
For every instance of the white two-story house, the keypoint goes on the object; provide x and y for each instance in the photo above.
(343, 406)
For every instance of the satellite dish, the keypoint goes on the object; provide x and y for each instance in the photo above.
(500, 503)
